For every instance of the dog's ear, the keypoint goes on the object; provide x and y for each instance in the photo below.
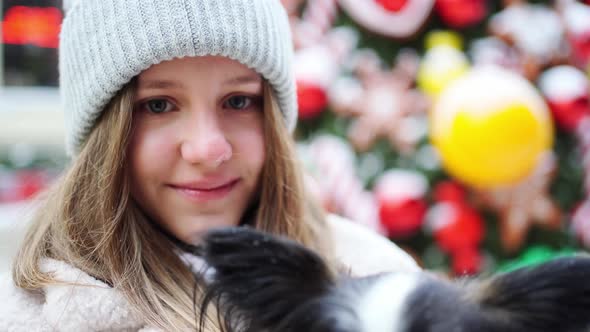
(551, 297)
(258, 279)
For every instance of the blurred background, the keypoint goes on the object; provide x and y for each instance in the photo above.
(460, 129)
(31, 120)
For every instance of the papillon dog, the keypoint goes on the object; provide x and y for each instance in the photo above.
(261, 282)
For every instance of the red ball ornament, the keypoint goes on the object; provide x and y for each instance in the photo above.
(312, 100)
(464, 229)
(392, 5)
(449, 191)
(400, 196)
(402, 218)
(567, 92)
(466, 262)
(461, 13)
(568, 113)
(575, 16)
(580, 45)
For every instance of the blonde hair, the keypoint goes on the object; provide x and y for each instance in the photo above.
(89, 220)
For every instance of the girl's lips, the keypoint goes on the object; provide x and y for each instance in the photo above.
(204, 195)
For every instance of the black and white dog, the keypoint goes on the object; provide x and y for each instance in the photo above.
(264, 283)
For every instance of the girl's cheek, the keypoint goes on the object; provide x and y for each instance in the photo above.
(243, 131)
(150, 143)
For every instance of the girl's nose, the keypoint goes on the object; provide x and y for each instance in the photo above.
(205, 142)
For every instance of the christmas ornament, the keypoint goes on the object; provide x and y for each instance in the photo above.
(488, 139)
(387, 106)
(443, 38)
(449, 191)
(330, 159)
(461, 13)
(494, 51)
(521, 205)
(319, 15)
(567, 91)
(317, 67)
(401, 198)
(315, 22)
(332, 163)
(443, 62)
(580, 217)
(581, 223)
(467, 262)
(455, 226)
(293, 8)
(535, 255)
(312, 99)
(576, 17)
(401, 24)
(535, 31)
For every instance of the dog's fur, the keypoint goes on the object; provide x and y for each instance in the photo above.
(264, 283)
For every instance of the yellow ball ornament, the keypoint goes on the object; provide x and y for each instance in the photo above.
(490, 127)
(443, 38)
(443, 62)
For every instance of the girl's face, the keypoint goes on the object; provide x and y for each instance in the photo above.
(197, 149)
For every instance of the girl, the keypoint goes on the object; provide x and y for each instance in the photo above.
(178, 115)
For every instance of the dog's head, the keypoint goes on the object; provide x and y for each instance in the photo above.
(264, 283)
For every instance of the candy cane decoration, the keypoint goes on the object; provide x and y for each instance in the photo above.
(339, 186)
(317, 19)
(583, 135)
(581, 223)
(566, 89)
(581, 216)
(321, 14)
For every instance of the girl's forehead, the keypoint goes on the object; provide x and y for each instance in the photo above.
(208, 67)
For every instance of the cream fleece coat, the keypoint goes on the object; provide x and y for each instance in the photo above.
(97, 307)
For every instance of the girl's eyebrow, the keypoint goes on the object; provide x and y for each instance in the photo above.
(160, 84)
(244, 79)
(165, 84)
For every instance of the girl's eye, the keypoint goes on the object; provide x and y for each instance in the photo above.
(238, 102)
(158, 106)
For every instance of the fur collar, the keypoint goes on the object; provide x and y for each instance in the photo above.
(91, 305)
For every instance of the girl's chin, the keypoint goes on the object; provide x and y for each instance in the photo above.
(199, 226)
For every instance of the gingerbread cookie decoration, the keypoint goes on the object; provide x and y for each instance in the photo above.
(535, 32)
(386, 105)
(525, 204)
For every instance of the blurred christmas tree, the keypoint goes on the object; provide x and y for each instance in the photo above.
(458, 128)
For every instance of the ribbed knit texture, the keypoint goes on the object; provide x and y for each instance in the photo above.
(105, 43)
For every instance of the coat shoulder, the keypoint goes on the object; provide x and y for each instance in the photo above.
(364, 252)
(20, 310)
(75, 302)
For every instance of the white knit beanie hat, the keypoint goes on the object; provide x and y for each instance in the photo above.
(105, 43)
